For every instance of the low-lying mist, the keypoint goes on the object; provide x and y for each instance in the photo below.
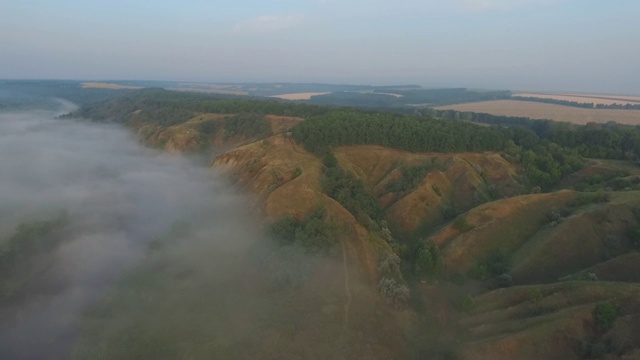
(110, 250)
(118, 197)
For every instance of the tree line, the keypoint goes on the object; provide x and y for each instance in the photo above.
(603, 141)
(585, 105)
(168, 108)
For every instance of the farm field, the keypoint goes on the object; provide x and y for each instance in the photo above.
(102, 85)
(536, 110)
(587, 98)
(299, 96)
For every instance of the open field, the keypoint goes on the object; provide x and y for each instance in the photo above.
(596, 99)
(211, 91)
(101, 85)
(536, 110)
(299, 96)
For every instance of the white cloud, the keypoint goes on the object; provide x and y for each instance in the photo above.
(269, 23)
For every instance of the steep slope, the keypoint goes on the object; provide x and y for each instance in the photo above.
(421, 190)
(204, 131)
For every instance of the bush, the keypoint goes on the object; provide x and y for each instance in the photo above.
(467, 303)
(312, 234)
(505, 280)
(604, 315)
(395, 293)
(495, 264)
(209, 127)
(461, 224)
(427, 260)
(350, 192)
(297, 172)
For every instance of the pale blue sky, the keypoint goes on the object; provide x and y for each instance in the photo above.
(563, 45)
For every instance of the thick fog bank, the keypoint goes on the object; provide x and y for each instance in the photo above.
(119, 196)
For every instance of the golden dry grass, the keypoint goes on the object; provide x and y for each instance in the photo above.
(299, 96)
(466, 175)
(548, 111)
(101, 85)
(596, 99)
(267, 170)
(282, 123)
(505, 224)
(512, 324)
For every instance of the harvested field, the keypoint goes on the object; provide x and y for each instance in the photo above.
(580, 98)
(536, 110)
(299, 96)
(211, 91)
(101, 85)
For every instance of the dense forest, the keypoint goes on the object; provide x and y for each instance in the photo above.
(546, 162)
(604, 141)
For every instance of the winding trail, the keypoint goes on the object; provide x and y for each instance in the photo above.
(294, 145)
(347, 289)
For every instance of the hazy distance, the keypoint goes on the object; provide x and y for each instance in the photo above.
(552, 45)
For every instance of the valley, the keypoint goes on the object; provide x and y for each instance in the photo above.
(371, 235)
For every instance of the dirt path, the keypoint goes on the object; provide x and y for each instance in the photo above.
(347, 289)
(294, 145)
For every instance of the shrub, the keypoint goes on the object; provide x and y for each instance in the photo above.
(389, 264)
(604, 315)
(427, 260)
(467, 303)
(312, 234)
(297, 172)
(395, 293)
(535, 295)
(461, 224)
(209, 127)
(495, 264)
(505, 280)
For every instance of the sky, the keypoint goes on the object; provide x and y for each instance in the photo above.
(543, 45)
